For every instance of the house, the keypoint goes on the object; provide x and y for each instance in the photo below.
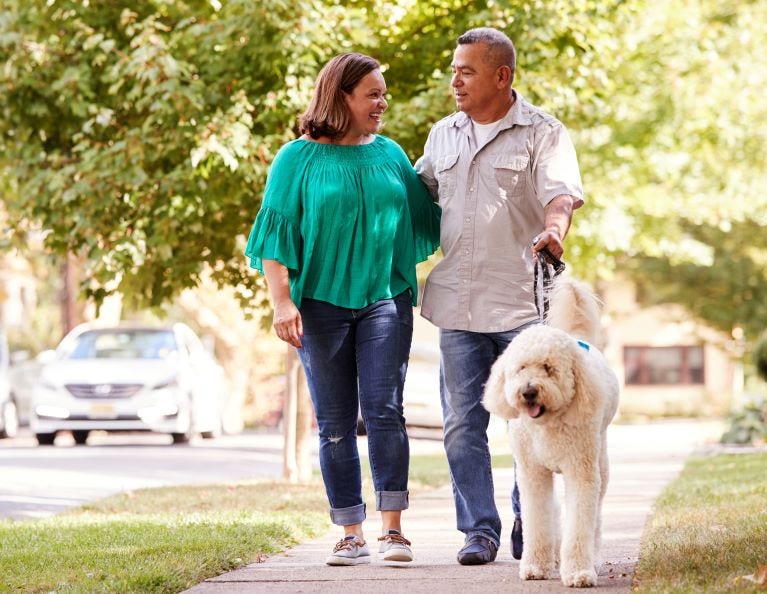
(18, 291)
(667, 363)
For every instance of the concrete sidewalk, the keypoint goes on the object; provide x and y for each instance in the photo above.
(643, 459)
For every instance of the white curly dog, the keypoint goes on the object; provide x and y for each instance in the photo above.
(560, 394)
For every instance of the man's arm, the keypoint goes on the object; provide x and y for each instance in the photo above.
(557, 216)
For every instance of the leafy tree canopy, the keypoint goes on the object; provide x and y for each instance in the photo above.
(140, 137)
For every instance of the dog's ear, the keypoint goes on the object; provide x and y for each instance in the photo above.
(584, 402)
(494, 399)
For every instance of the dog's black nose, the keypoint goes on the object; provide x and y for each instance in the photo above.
(530, 393)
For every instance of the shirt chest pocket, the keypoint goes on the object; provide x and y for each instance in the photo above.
(445, 171)
(510, 174)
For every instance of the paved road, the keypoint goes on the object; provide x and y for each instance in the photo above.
(37, 482)
(42, 481)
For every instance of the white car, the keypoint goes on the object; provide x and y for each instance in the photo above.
(9, 418)
(129, 378)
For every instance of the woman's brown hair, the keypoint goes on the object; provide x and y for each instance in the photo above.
(327, 114)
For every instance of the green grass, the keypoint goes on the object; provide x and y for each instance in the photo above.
(709, 529)
(432, 471)
(168, 539)
(158, 540)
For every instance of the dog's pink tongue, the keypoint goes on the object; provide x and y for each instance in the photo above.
(534, 410)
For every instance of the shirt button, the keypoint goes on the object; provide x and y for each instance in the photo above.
(471, 189)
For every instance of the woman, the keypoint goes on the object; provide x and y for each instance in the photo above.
(343, 222)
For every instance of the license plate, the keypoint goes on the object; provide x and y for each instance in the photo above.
(103, 411)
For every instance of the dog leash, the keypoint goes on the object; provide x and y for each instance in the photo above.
(547, 267)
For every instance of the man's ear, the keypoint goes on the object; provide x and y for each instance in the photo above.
(504, 76)
(494, 399)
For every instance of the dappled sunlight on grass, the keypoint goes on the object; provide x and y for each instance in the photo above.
(709, 528)
(158, 540)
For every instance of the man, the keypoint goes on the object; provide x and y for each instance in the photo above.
(507, 180)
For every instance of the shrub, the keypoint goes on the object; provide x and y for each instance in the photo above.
(748, 425)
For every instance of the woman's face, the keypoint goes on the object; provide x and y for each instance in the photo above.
(366, 104)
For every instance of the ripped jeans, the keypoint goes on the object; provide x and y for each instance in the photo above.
(356, 359)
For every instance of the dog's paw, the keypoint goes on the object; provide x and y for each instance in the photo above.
(584, 578)
(532, 572)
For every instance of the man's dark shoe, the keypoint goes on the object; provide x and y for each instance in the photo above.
(516, 539)
(477, 550)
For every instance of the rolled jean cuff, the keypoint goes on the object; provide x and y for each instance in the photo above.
(391, 500)
(346, 516)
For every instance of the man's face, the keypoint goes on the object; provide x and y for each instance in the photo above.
(474, 82)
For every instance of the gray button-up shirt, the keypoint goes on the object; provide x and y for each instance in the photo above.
(492, 198)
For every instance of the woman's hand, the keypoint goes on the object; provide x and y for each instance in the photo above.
(287, 322)
(287, 319)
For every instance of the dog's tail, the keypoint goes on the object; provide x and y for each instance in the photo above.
(575, 309)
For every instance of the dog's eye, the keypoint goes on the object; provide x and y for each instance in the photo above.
(548, 368)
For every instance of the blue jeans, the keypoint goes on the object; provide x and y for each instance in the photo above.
(356, 359)
(466, 359)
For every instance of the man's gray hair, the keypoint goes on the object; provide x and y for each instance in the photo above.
(501, 49)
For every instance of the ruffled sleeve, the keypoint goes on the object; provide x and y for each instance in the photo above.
(273, 237)
(425, 214)
(276, 231)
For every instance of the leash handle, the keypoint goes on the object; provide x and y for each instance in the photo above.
(559, 266)
(544, 273)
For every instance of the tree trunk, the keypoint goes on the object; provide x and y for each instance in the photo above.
(297, 422)
(69, 314)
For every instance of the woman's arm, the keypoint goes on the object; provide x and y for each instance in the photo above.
(287, 319)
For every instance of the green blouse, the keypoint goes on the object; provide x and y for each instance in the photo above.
(350, 222)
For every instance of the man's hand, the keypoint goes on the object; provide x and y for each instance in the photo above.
(550, 241)
(557, 215)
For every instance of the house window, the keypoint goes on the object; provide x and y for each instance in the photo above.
(663, 365)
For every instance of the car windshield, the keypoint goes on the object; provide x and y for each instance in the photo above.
(123, 344)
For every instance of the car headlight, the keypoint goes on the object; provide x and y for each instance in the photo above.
(48, 385)
(167, 385)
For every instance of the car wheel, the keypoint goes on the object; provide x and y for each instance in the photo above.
(186, 435)
(213, 433)
(10, 420)
(80, 437)
(45, 438)
(180, 437)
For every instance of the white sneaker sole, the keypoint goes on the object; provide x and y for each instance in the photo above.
(397, 555)
(335, 560)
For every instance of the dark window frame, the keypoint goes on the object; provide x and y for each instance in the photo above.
(643, 374)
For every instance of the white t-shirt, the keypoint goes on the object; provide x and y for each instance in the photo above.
(482, 132)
